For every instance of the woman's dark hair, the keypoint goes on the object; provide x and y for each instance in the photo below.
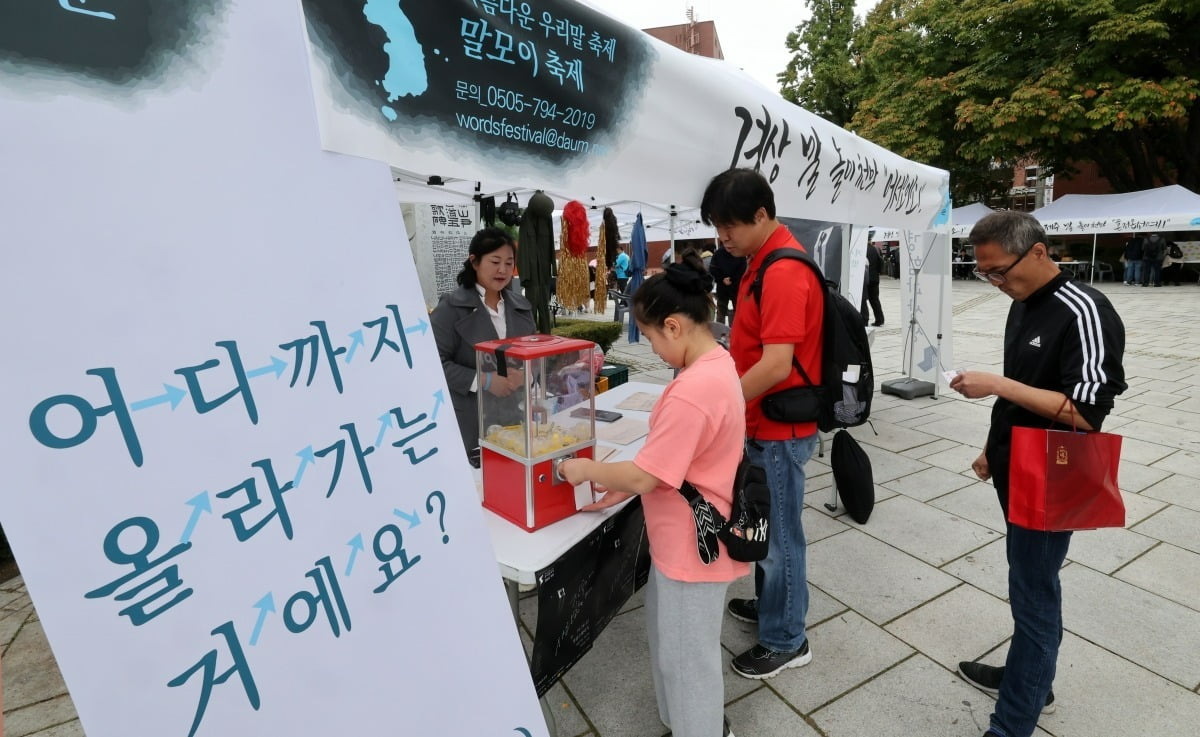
(734, 195)
(684, 287)
(484, 242)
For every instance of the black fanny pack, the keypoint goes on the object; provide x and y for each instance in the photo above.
(798, 404)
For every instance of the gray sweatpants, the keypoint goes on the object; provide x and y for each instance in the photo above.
(683, 623)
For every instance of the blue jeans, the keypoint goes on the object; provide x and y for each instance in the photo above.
(1035, 596)
(1151, 271)
(1133, 271)
(781, 579)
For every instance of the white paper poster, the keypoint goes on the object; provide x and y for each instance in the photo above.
(234, 485)
(440, 240)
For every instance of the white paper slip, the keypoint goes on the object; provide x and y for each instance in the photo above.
(641, 401)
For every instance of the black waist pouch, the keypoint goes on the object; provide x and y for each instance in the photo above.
(798, 404)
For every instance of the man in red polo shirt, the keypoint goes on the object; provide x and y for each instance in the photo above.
(765, 341)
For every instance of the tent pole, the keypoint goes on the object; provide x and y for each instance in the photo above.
(1092, 269)
(671, 251)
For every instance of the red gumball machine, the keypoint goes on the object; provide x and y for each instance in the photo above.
(536, 409)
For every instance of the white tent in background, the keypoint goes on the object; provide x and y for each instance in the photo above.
(1165, 209)
(962, 219)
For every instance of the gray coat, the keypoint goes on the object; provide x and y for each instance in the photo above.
(459, 322)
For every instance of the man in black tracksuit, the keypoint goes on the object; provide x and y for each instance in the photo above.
(1063, 345)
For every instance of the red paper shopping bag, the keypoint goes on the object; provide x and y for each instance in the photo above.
(1061, 480)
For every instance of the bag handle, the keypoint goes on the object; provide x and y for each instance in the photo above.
(1067, 403)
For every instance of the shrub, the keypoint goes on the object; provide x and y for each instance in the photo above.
(600, 332)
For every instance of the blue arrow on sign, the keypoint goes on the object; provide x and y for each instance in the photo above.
(356, 546)
(173, 394)
(264, 606)
(200, 504)
(438, 400)
(276, 367)
(412, 519)
(306, 457)
(357, 340)
(385, 424)
(420, 327)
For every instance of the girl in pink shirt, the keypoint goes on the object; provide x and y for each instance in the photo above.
(697, 429)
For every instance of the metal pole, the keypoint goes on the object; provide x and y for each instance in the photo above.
(1092, 266)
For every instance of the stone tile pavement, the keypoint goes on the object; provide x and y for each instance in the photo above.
(898, 601)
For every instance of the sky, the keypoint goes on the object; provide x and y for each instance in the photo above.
(752, 32)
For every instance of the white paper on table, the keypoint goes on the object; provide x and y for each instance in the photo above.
(604, 452)
(640, 401)
(623, 431)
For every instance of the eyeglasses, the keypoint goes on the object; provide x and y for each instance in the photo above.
(996, 278)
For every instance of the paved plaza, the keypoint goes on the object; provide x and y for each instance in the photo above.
(897, 602)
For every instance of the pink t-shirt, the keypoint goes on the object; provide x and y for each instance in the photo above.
(697, 429)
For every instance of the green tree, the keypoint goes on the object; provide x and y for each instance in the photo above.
(821, 76)
(975, 85)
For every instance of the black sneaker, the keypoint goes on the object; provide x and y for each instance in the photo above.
(762, 662)
(744, 609)
(987, 678)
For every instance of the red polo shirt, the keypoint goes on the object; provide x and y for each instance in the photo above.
(792, 309)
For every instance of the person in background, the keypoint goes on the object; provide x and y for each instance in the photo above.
(696, 433)
(726, 270)
(621, 268)
(483, 307)
(1063, 346)
(1133, 259)
(1153, 250)
(767, 340)
(1172, 263)
(871, 285)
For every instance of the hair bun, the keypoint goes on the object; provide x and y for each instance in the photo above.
(687, 279)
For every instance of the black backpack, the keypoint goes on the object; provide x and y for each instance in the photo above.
(843, 398)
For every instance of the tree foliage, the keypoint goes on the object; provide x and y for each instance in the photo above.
(974, 86)
(821, 76)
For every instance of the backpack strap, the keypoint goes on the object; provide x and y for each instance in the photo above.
(756, 287)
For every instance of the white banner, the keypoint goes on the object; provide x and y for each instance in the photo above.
(924, 288)
(558, 96)
(234, 485)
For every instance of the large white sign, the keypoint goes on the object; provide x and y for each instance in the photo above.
(558, 96)
(925, 302)
(233, 483)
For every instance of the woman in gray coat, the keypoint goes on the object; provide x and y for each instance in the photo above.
(484, 307)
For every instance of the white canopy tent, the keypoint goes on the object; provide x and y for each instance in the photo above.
(1162, 209)
(962, 219)
(1166, 208)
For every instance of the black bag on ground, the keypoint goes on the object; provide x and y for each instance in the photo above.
(745, 533)
(853, 476)
(843, 398)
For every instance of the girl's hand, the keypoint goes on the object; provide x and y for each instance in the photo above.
(611, 499)
(573, 470)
